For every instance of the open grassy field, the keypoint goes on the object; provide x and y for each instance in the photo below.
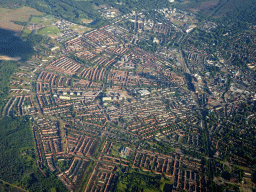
(86, 21)
(81, 29)
(179, 23)
(36, 19)
(23, 14)
(115, 150)
(48, 20)
(25, 32)
(48, 30)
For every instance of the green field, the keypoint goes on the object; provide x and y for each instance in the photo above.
(49, 22)
(142, 181)
(49, 17)
(25, 32)
(116, 150)
(48, 31)
(177, 22)
(36, 19)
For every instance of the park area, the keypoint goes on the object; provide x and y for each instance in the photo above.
(141, 181)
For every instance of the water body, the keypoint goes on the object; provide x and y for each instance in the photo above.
(13, 46)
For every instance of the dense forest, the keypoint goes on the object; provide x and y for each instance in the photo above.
(67, 9)
(7, 68)
(11, 3)
(126, 6)
(16, 148)
(18, 157)
(231, 10)
(237, 10)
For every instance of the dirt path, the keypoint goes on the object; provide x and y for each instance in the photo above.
(13, 185)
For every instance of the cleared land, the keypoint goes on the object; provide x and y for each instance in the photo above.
(82, 29)
(86, 20)
(8, 16)
(6, 58)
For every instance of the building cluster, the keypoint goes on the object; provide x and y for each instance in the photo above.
(113, 102)
(174, 20)
(20, 105)
(64, 65)
(66, 31)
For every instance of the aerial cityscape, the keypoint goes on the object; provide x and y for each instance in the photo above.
(118, 95)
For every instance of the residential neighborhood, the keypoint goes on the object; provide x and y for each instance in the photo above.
(137, 95)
